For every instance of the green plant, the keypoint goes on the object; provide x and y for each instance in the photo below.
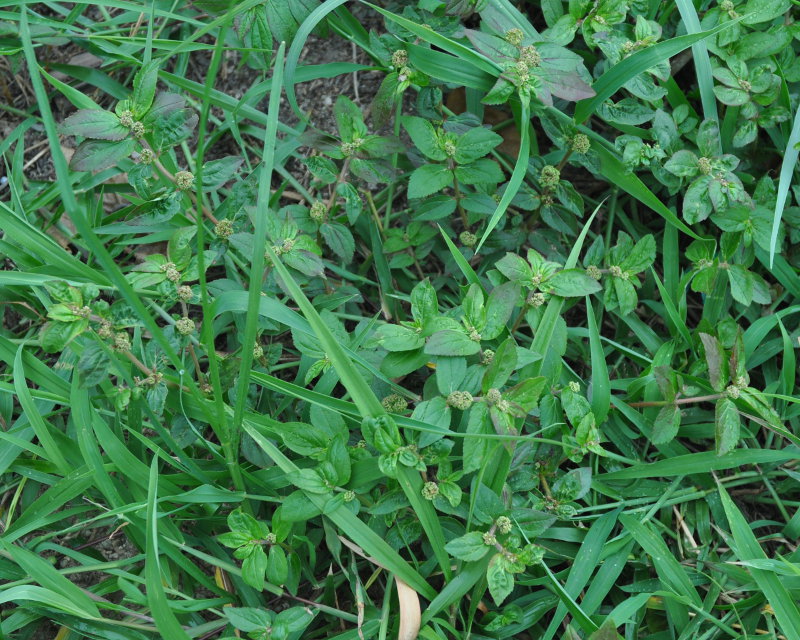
(514, 332)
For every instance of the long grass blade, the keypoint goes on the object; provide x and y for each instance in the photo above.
(747, 548)
(788, 165)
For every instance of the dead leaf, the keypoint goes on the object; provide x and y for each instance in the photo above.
(410, 611)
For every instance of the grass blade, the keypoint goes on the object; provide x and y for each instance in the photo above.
(299, 42)
(788, 165)
(702, 462)
(702, 63)
(601, 383)
(669, 570)
(162, 614)
(517, 176)
(746, 547)
(587, 558)
(613, 79)
(38, 423)
(461, 261)
(261, 212)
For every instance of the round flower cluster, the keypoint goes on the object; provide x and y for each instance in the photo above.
(105, 330)
(400, 58)
(514, 36)
(536, 299)
(468, 239)
(173, 275)
(575, 387)
(549, 176)
(318, 211)
(593, 272)
(122, 341)
(617, 272)
(493, 396)
(185, 293)
(147, 156)
(521, 67)
(487, 356)
(258, 351)
(224, 229)
(351, 148)
(461, 400)
(530, 56)
(184, 326)
(430, 490)
(503, 524)
(126, 119)
(394, 403)
(704, 164)
(580, 143)
(184, 180)
(137, 129)
(285, 247)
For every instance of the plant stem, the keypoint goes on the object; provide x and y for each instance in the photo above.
(663, 403)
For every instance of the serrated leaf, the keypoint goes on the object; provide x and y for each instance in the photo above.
(96, 124)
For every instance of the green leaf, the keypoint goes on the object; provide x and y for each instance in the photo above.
(476, 143)
(500, 581)
(526, 394)
(309, 480)
(756, 11)
(424, 137)
(626, 295)
(683, 163)
(726, 423)
(515, 268)
(469, 547)
(395, 337)
(666, 424)
(144, 88)
(277, 570)
(254, 567)
(96, 124)
(499, 308)
(248, 618)
(641, 256)
(451, 343)
(501, 366)
(94, 364)
(428, 179)
(741, 281)
(339, 239)
(217, 172)
(572, 283)
(715, 359)
(476, 449)
(57, 335)
(96, 155)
